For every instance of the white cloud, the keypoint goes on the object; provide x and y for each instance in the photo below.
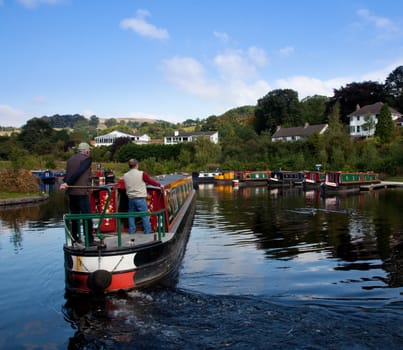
(308, 86)
(10, 116)
(258, 56)
(188, 75)
(140, 26)
(381, 74)
(379, 22)
(36, 3)
(227, 91)
(235, 64)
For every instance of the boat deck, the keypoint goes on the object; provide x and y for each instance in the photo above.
(110, 241)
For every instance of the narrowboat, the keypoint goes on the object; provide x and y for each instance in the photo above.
(286, 178)
(224, 178)
(339, 181)
(46, 176)
(251, 178)
(313, 179)
(204, 176)
(119, 261)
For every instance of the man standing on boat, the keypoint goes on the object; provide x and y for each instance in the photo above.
(76, 181)
(136, 189)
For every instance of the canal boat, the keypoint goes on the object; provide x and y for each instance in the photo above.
(46, 176)
(117, 260)
(224, 178)
(313, 179)
(252, 178)
(204, 176)
(280, 178)
(344, 182)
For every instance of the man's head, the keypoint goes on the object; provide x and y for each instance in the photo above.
(133, 163)
(84, 147)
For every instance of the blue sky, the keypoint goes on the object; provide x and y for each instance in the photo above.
(178, 59)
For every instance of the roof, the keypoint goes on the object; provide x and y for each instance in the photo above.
(371, 109)
(194, 133)
(302, 131)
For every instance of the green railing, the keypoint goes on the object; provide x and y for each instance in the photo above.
(101, 217)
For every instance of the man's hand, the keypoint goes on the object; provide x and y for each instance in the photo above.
(63, 186)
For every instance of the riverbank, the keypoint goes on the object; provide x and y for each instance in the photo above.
(23, 200)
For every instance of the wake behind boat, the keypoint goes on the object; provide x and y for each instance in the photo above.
(123, 261)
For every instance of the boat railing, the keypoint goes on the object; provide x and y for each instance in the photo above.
(102, 217)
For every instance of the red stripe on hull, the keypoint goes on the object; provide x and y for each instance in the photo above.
(78, 282)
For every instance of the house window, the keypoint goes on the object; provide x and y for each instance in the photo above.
(358, 129)
(358, 118)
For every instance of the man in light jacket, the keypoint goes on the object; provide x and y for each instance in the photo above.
(136, 189)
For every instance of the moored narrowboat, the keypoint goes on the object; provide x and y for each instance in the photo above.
(46, 176)
(252, 178)
(224, 178)
(118, 260)
(286, 178)
(204, 176)
(313, 179)
(339, 181)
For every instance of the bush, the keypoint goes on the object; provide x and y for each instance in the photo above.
(18, 180)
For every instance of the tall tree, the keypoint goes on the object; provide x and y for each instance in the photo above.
(394, 89)
(278, 107)
(36, 131)
(353, 94)
(385, 127)
(313, 109)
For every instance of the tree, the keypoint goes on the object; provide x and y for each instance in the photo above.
(353, 94)
(313, 109)
(394, 89)
(369, 124)
(385, 127)
(35, 132)
(278, 107)
(111, 122)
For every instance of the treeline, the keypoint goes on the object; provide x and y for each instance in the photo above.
(244, 133)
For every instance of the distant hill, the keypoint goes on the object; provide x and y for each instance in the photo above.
(243, 115)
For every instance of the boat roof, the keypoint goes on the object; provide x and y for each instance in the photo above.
(169, 178)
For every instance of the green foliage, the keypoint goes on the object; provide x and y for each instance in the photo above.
(385, 126)
(313, 109)
(353, 94)
(394, 89)
(141, 152)
(278, 107)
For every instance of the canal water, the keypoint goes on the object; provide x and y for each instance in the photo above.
(264, 269)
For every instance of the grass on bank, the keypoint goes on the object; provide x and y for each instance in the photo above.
(13, 195)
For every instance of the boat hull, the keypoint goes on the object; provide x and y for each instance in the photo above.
(103, 270)
(122, 261)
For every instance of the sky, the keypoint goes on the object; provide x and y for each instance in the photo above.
(181, 59)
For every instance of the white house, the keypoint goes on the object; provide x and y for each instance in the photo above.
(298, 132)
(180, 137)
(109, 139)
(363, 120)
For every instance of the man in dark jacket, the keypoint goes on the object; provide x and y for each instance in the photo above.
(78, 176)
